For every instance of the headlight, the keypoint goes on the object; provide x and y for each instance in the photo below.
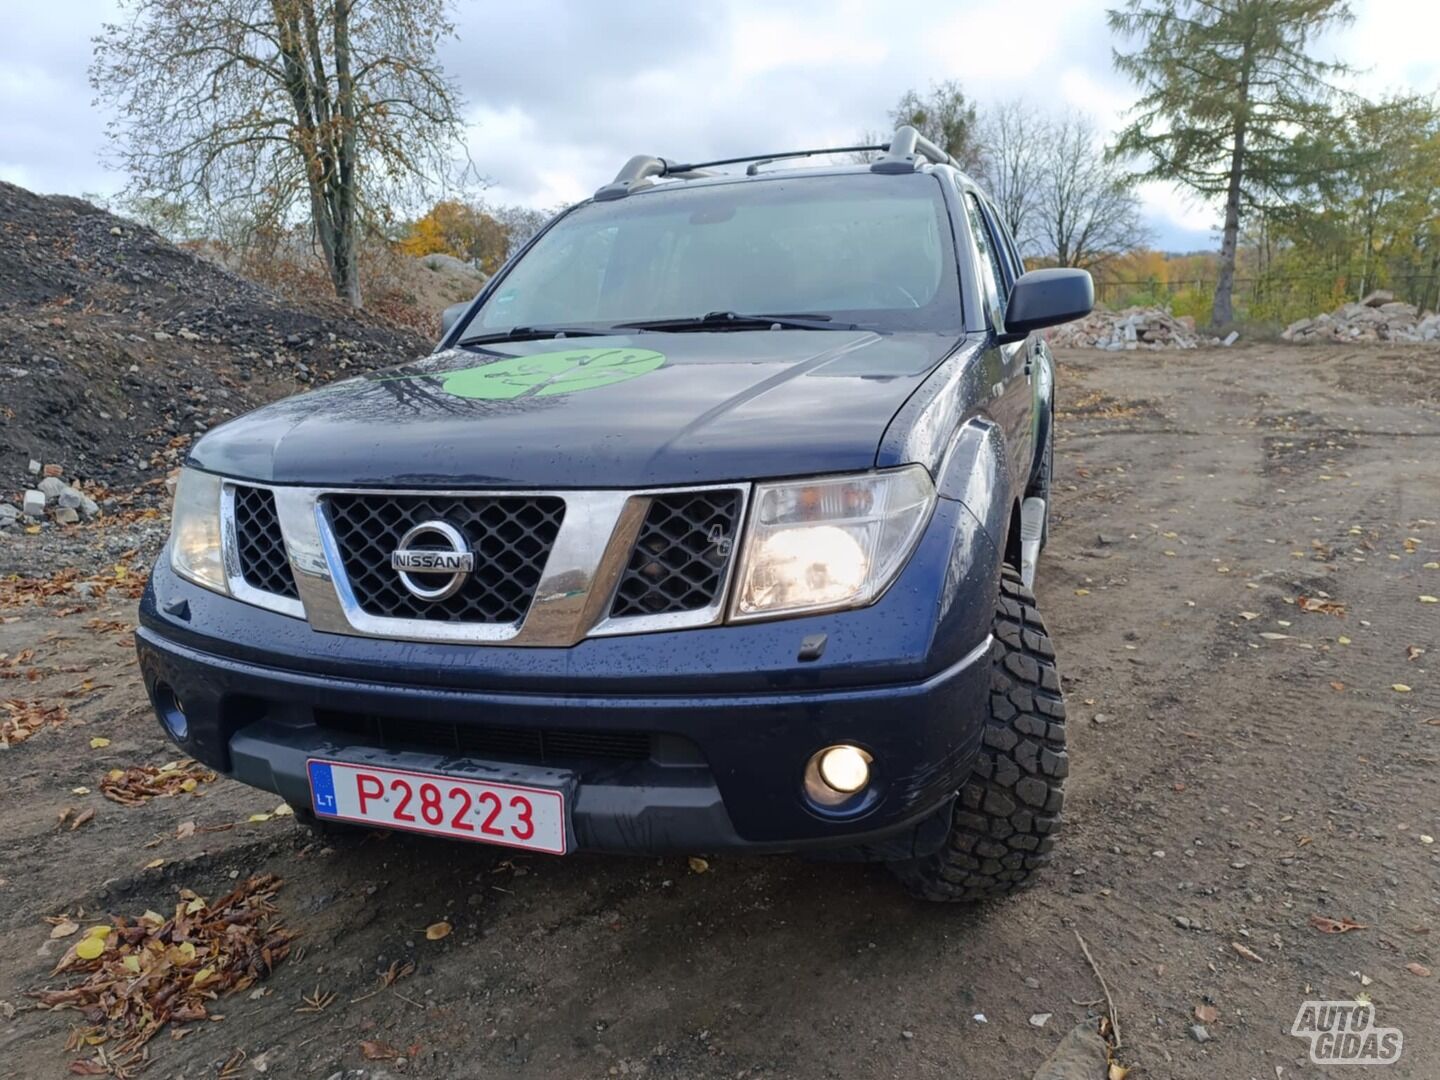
(195, 530)
(833, 542)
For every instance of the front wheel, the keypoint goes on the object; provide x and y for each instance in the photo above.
(1008, 812)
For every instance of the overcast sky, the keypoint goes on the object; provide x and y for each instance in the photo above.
(560, 92)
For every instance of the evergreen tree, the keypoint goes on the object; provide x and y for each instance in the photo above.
(1226, 85)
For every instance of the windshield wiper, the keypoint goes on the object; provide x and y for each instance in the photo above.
(529, 333)
(734, 320)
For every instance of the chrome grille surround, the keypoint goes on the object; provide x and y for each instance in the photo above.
(572, 600)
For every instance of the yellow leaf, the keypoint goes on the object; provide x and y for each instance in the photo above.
(154, 864)
(283, 810)
(1400, 688)
(193, 906)
(1082, 592)
(99, 742)
(1343, 640)
(153, 917)
(1117, 1071)
(1432, 566)
(116, 774)
(187, 949)
(205, 974)
(98, 931)
(258, 817)
(79, 791)
(132, 964)
(436, 931)
(1430, 600)
(89, 948)
(698, 865)
(63, 929)
(187, 784)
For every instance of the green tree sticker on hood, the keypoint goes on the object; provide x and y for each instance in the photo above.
(548, 374)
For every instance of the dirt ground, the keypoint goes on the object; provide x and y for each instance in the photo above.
(1240, 764)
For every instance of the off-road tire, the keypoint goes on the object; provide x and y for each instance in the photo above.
(1008, 811)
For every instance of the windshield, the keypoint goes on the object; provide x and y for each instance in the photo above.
(861, 249)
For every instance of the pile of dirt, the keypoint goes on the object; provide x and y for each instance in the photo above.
(117, 348)
(1133, 328)
(1379, 317)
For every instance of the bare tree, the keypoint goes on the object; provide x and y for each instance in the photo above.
(1086, 209)
(336, 107)
(1015, 137)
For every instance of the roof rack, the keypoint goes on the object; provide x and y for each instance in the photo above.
(907, 151)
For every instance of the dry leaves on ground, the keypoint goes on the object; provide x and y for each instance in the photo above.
(1320, 607)
(141, 974)
(140, 783)
(1327, 925)
(21, 719)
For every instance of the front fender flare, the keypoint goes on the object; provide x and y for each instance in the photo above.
(974, 473)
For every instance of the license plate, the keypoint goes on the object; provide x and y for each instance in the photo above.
(508, 814)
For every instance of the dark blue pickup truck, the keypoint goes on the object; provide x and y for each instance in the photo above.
(709, 526)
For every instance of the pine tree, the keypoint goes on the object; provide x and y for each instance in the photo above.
(1226, 85)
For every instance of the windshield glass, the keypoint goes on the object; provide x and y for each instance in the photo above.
(858, 248)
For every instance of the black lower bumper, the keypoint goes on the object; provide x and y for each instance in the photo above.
(724, 773)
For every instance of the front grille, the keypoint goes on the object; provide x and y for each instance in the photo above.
(507, 744)
(510, 536)
(258, 544)
(679, 560)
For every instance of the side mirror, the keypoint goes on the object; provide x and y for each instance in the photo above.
(1047, 298)
(451, 315)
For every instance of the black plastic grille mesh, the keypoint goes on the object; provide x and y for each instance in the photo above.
(259, 545)
(522, 744)
(679, 559)
(511, 539)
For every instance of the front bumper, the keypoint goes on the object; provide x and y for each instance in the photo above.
(732, 714)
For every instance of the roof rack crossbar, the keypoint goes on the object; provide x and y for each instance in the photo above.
(908, 150)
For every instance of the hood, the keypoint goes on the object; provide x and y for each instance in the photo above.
(644, 410)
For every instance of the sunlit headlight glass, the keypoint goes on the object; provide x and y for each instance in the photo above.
(833, 542)
(195, 530)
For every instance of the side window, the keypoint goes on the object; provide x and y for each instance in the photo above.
(990, 270)
(1009, 255)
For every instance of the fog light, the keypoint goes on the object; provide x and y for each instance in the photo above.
(846, 769)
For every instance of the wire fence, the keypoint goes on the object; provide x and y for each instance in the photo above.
(1273, 296)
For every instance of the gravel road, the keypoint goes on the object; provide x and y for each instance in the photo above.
(1243, 760)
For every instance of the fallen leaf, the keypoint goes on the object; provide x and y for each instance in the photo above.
(283, 810)
(154, 864)
(1249, 616)
(64, 929)
(1327, 925)
(1342, 640)
(437, 931)
(1082, 592)
(1400, 688)
(1270, 635)
(80, 791)
(1248, 954)
(89, 948)
(1207, 1014)
(698, 865)
(185, 830)
(1413, 652)
(1337, 686)
(1318, 606)
(99, 742)
(259, 817)
(1418, 969)
(85, 816)
(1429, 600)
(373, 1050)
(1117, 1071)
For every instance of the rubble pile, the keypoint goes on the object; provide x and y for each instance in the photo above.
(118, 349)
(1133, 328)
(50, 496)
(1379, 317)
